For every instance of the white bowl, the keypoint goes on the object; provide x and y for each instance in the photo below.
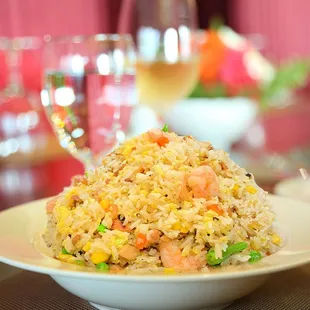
(297, 188)
(221, 121)
(19, 227)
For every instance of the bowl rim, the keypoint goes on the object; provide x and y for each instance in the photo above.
(282, 185)
(154, 278)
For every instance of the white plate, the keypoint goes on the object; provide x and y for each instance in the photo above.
(20, 225)
(297, 188)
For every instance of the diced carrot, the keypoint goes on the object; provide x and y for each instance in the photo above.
(141, 241)
(118, 225)
(162, 141)
(216, 209)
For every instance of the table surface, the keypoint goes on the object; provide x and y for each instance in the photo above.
(23, 290)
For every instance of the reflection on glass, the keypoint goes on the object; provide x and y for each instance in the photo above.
(89, 92)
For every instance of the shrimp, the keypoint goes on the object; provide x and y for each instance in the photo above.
(157, 136)
(118, 225)
(50, 205)
(153, 236)
(184, 194)
(203, 182)
(171, 257)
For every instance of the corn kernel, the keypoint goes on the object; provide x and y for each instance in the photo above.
(104, 204)
(176, 226)
(196, 250)
(250, 189)
(276, 239)
(99, 257)
(184, 230)
(158, 170)
(235, 190)
(87, 246)
(62, 214)
(255, 246)
(144, 193)
(210, 214)
(145, 153)
(169, 271)
(66, 258)
(127, 150)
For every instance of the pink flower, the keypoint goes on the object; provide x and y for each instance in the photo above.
(233, 72)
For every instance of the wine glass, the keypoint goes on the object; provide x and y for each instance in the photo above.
(167, 52)
(88, 92)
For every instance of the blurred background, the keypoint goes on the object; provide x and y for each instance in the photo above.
(251, 97)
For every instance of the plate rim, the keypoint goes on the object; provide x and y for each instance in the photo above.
(194, 277)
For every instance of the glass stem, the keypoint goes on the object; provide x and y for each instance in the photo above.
(89, 163)
(117, 127)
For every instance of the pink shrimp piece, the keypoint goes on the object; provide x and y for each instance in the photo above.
(171, 257)
(157, 136)
(203, 182)
(153, 236)
(118, 225)
(50, 205)
(184, 194)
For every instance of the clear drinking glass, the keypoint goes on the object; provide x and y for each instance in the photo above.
(167, 52)
(88, 92)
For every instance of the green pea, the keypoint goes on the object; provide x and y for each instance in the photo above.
(103, 267)
(255, 256)
(64, 251)
(232, 249)
(102, 228)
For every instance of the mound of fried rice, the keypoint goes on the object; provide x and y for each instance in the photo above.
(160, 202)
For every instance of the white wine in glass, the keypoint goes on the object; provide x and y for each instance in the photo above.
(167, 52)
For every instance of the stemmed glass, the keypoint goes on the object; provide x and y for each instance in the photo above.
(88, 92)
(167, 52)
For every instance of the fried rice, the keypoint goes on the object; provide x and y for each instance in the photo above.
(162, 202)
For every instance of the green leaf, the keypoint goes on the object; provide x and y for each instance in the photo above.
(64, 251)
(232, 249)
(212, 91)
(255, 256)
(102, 228)
(103, 267)
(289, 76)
(216, 22)
(165, 128)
